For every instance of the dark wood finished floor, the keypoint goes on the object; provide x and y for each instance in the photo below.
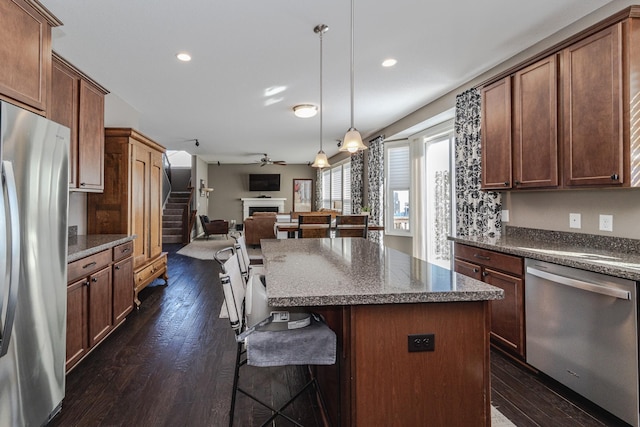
(171, 364)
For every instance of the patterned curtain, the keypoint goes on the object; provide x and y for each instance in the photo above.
(477, 212)
(318, 189)
(376, 180)
(357, 181)
(442, 247)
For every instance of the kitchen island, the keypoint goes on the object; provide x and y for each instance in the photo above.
(376, 299)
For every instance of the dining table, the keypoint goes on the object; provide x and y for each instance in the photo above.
(413, 336)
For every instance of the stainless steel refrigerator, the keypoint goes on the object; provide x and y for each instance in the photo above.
(33, 249)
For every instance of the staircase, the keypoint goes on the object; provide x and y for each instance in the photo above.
(172, 227)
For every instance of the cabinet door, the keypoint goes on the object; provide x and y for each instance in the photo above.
(535, 129)
(63, 109)
(507, 315)
(592, 109)
(100, 305)
(468, 269)
(155, 204)
(122, 289)
(140, 204)
(91, 138)
(77, 335)
(496, 135)
(25, 50)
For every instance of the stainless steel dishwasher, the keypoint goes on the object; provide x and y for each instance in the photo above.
(582, 331)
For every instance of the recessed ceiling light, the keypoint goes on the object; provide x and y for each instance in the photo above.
(183, 56)
(389, 62)
(305, 110)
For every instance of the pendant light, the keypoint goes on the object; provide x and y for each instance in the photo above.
(352, 141)
(321, 160)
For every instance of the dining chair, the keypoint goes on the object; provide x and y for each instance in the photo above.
(352, 226)
(292, 344)
(314, 226)
(249, 264)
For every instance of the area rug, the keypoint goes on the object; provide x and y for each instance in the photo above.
(499, 420)
(202, 248)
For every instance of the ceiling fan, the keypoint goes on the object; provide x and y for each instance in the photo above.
(266, 160)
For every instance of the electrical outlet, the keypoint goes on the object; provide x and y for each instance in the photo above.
(505, 215)
(422, 342)
(575, 220)
(606, 222)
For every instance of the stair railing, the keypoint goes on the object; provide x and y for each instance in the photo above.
(166, 179)
(188, 218)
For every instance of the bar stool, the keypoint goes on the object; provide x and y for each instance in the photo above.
(278, 340)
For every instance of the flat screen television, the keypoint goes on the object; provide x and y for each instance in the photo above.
(264, 182)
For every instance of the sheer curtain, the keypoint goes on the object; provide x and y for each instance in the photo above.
(477, 212)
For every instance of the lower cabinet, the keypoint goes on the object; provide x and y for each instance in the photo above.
(505, 272)
(99, 297)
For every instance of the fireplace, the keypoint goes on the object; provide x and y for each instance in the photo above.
(262, 204)
(253, 209)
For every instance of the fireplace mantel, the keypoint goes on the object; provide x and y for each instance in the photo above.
(251, 202)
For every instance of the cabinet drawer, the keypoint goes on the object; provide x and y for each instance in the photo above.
(499, 261)
(87, 265)
(468, 269)
(122, 251)
(160, 264)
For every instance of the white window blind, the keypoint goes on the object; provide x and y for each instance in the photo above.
(399, 170)
(346, 189)
(326, 188)
(336, 188)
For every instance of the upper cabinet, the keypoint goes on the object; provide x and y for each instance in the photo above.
(592, 83)
(78, 103)
(563, 119)
(25, 68)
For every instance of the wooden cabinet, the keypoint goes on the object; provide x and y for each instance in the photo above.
(571, 114)
(496, 135)
(505, 272)
(592, 109)
(122, 282)
(25, 68)
(89, 305)
(99, 297)
(131, 202)
(78, 103)
(519, 129)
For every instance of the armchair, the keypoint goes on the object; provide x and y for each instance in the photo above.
(217, 226)
(259, 226)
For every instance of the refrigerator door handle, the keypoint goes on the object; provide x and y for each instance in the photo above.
(6, 324)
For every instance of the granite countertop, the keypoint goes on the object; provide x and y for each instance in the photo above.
(347, 271)
(85, 245)
(614, 256)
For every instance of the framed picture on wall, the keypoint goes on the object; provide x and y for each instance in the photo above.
(302, 194)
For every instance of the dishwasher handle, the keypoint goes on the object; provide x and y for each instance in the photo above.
(579, 284)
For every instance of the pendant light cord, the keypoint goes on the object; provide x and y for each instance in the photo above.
(352, 62)
(322, 30)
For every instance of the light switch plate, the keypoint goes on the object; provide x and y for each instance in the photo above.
(606, 222)
(575, 220)
(505, 215)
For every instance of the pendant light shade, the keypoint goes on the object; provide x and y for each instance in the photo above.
(352, 141)
(321, 160)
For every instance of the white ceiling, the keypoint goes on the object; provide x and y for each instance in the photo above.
(240, 48)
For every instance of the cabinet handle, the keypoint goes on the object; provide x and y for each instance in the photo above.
(475, 270)
(94, 279)
(117, 267)
(486, 258)
(615, 177)
(82, 184)
(506, 183)
(87, 283)
(517, 182)
(125, 250)
(91, 264)
(485, 274)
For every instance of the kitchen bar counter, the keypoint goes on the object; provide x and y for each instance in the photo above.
(614, 256)
(348, 271)
(85, 245)
(382, 303)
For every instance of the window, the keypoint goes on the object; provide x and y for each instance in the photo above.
(336, 187)
(398, 179)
